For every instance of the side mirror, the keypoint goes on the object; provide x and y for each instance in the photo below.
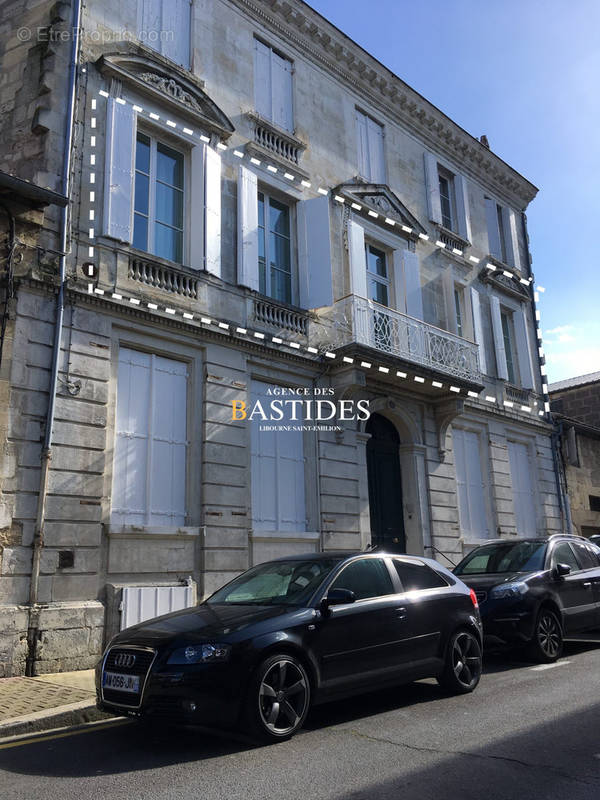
(337, 597)
(560, 570)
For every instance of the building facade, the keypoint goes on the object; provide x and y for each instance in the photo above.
(257, 206)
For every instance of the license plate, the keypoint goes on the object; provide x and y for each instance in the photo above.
(122, 683)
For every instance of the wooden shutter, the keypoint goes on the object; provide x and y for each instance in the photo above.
(432, 183)
(470, 484)
(212, 218)
(196, 193)
(176, 31)
(462, 207)
(362, 145)
(376, 154)
(282, 104)
(522, 489)
(509, 223)
(262, 79)
(247, 250)
(449, 301)
(478, 328)
(358, 259)
(491, 216)
(523, 350)
(119, 171)
(150, 19)
(412, 280)
(501, 366)
(314, 253)
(399, 283)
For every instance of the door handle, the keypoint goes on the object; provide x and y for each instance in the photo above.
(401, 612)
(587, 583)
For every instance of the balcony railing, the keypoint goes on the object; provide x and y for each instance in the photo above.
(268, 313)
(408, 338)
(170, 279)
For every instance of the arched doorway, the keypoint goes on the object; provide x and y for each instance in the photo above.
(385, 485)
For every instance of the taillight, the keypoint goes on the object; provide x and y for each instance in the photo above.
(474, 598)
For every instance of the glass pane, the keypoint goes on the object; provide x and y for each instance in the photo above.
(281, 286)
(142, 153)
(262, 276)
(418, 576)
(169, 205)
(169, 166)
(279, 252)
(142, 185)
(279, 218)
(378, 292)
(367, 578)
(376, 261)
(140, 232)
(168, 243)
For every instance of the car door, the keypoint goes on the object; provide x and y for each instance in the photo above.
(354, 642)
(590, 563)
(575, 589)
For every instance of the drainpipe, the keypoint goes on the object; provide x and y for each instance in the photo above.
(46, 456)
(561, 476)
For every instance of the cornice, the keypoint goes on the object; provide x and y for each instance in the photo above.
(356, 68)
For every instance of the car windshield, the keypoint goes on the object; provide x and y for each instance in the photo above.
(504, 557)
(276, 583)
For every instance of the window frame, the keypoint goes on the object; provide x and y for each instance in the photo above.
(155, 139)
(387, 280)
(460, 309)
(269, 194)
(445, 175)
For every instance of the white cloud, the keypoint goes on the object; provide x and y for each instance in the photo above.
(560, 329)
(572, 350)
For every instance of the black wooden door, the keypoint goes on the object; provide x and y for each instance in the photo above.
(385, 485)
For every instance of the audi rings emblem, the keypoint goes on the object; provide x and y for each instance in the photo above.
(124, 660)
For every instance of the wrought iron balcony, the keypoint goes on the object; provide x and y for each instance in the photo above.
(367, 323)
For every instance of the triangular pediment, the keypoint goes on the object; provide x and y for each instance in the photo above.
(169, 87)
(379, 198)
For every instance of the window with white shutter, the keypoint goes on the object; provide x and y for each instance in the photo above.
(470, 484)
(371, 159)
(277, 469)
(502, 233)
(165, 27)
(150, 456)
(273, 94)
(522, 487)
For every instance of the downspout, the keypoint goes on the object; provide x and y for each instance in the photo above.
(46, 455)
(561, 473)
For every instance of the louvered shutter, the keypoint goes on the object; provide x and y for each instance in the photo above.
(314, 253)
(523, 349)
(281, 77)
(362, 144)
(509, 222)
(491, 217)
(358, 259)
(212, 218)
(262, 79)
(501, 365)
(412, 280)
(478, 328)
(247, 250)
(432, 183)
(462, 207)
(197, 157)
(175, 30)
(376, 154)
(119, 171)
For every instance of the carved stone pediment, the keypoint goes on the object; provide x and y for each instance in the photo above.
(501, 282)
(378, 197)
(169, 87)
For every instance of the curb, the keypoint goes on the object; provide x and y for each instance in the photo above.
(59, 717)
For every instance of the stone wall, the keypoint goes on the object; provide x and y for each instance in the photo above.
(580, 402)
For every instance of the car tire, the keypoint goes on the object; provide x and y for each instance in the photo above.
(547, 643)
(278, 698)
(463, 663)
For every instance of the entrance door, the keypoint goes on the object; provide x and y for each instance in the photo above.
(385, 486)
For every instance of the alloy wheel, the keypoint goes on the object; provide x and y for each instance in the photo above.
(283, 696)
(548, 635)
(466, 659)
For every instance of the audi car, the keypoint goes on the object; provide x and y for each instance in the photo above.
(535, 591)
(291, 633)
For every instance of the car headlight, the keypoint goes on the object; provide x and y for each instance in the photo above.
(200, 654)
(508, 590)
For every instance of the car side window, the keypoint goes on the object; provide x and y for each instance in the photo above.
(584, 555)
(563, 554)
(418, 576)
(368, 577)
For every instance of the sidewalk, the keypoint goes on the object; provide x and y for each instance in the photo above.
(47, 701)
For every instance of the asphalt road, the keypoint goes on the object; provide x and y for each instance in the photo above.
(525, 733)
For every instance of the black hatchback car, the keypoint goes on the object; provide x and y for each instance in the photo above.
(295, 632)
(536, 591)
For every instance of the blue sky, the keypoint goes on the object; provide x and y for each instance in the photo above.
(527, 74)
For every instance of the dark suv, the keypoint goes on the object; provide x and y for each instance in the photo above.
(535, 591)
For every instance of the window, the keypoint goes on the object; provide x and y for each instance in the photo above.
(522, 488)
(368, 577)
(371, 161)
(377, 275)
(502, 233)
(273, 86)
(274, 249)
(459, 305)
(165, 27)
(470, 484)
(158, 224)
(508, 333)
(594, 502)
(584, 555)
(447, 199)
(504, 557)
(502, 253)
(563, 554)
(149, 472)
(418, 576)
(277, 470)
